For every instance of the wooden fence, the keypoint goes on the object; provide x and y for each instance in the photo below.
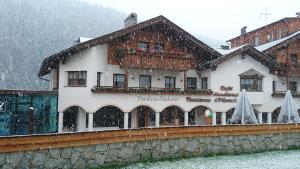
(39, 142)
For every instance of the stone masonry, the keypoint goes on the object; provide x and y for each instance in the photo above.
(129, 152)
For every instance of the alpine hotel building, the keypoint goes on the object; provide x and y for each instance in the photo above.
(154, 74)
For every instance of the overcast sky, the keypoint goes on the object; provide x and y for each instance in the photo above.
(218, 19)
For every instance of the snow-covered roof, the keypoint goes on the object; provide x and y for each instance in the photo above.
(266, 46)
(245, 49)
(186, 38)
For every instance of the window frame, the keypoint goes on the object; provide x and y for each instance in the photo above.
(296, 86)
(257, 83)
(79, 78)
(187, 83)
(170, 77)
(99, 79)
(141, 49)
(162, 47)
(293, 58)
(149, 76)
(114, 80)
(204, 87)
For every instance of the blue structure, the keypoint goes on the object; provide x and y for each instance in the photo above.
(25, 112)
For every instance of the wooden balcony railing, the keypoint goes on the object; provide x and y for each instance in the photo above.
(164, 61)
(282, 94)
(152, 90)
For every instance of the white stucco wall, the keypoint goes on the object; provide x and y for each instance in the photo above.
(94, 60)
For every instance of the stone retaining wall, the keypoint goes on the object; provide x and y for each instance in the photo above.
(106, 154)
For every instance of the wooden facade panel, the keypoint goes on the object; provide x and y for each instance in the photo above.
(174, 56)
(277, 30)
(156, 62)
(39, 142)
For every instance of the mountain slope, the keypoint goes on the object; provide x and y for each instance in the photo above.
(33, 29)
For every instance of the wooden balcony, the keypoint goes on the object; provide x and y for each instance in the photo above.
(178, 91)
(282, 94)
(163, 61)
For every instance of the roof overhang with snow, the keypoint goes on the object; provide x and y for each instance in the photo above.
(207, 52)
(243, 50)
(280, 43)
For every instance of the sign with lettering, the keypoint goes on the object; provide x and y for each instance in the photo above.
(3, 105)
(221, 97)
(157, 98)
(226, 88)
(197, 99)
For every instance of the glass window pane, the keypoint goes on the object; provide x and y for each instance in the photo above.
(145, 81)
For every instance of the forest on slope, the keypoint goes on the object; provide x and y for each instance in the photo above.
(33, 29)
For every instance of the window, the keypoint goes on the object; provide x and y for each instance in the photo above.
(77, 78)
(98, 78)
(293, 58)
(170, 82)
(252, 83)
(158, 48)
(204, 83)
(145, 81)
(293, 87)
(119, 80)
(191, 83)
(143, 47)
(274, 86)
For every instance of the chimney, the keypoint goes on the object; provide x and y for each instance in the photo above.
(131, 20)
(298, 14)
(243, 30)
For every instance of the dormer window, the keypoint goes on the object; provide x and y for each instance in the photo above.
(143, 46)
(251, 80)
(158, 48)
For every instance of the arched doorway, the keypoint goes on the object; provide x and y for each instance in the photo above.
(275, 114)
(108, 118)
(200, 115)
(172, 116)
(74, 119)
(142, 116)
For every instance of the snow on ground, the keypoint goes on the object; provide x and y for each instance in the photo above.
(269, 160)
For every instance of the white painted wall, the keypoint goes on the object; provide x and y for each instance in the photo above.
(94, 60)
